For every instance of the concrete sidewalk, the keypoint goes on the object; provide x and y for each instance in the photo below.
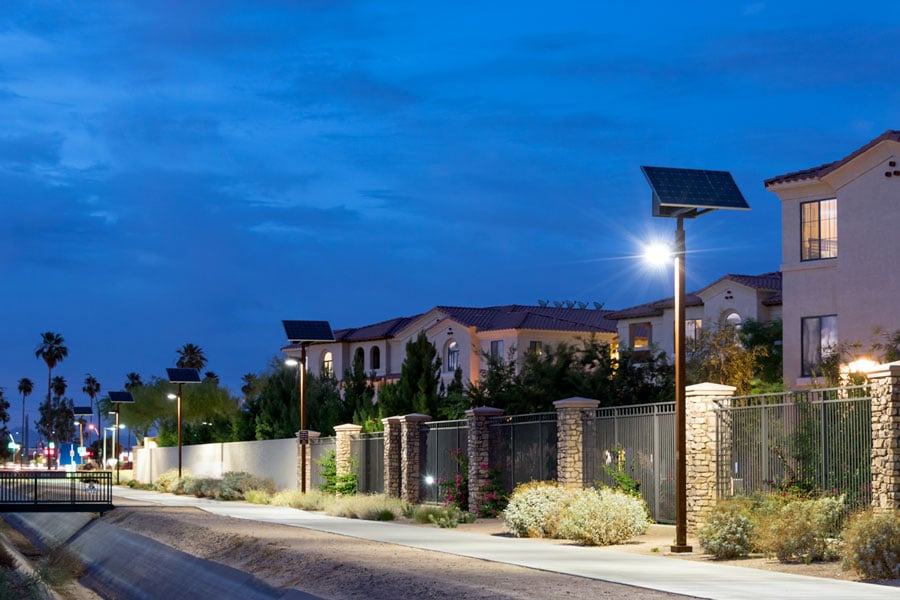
(698, 579)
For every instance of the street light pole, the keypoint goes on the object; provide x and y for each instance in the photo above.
(681, 544)
(178, 412)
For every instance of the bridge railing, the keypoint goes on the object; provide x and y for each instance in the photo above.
(55, 491)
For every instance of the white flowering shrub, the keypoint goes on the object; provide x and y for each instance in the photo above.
(872, 545)
(602, 517)
(533, 508)
(804, 530)
(728, 531)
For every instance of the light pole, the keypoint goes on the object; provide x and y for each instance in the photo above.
(303, 333)
(681, 194)
(181, 376)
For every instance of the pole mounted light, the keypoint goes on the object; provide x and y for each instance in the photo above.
(301, 334)
(119, 398)
(686, 194)
(181, 376)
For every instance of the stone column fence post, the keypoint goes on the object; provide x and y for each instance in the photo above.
(413, 452)
(479, 450)
(570, 439)
(885, 457)
(309, 463)
(392, 468)
(701, 401)
(343, 451)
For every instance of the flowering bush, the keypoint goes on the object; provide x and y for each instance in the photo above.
(602, 517)
(456, 490)
(872, 545)
(804, 530)
(533, 508)
(728, 531)
(493, 497)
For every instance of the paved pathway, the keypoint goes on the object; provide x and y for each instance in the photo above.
(698, 579)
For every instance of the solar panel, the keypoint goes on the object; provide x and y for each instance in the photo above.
(308, 331)
(119, 397)
(82, 411)
(183, 375)
(692, 192)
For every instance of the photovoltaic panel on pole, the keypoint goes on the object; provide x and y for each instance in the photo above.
(689, 193)
(120, 397)
(308, 331)
(178, 375)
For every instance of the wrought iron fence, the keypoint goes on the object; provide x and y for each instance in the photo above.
(55, 491)
(639, 441)
(367, 452)
(523, 448)
(812, 440)
(318, 448)
(447, 441)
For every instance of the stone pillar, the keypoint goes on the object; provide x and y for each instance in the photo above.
(885, 381)
(343, 436)
(413, 452)
(479, 449)
(570, 439)
(310, 465)
(701, 458)
(392, 462)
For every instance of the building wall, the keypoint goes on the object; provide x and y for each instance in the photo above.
(862, 283)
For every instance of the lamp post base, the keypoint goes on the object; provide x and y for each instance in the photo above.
(679, 549)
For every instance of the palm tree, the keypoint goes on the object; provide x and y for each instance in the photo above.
(25, 388)
(191, 356)
(59, 386)
(133, 380)
(52, 350)
(251, 381)
(92, 388)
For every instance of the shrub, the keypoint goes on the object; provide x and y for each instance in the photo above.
(258, 497)
(345, 484)
(728, 531)
(493, 499)
(602, 517)
(370, 508)
(533, 508)
(450, 517)
(872, 545)
(170, 482)
(456, 491)
(804, 530)
(234, 485)
(311, 500)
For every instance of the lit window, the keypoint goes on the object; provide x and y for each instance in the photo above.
(818, 339)
(375, 358)
(327, 363)
(497, 349)
(452, 356)
(692, 328)
(733, 318)
(640, 335)
(536, 348)
(818, 229)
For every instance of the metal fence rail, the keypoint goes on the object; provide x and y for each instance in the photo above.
(367, 453)
(639, 440)
(810, 440)
(318, 448)
(55, 491)
(523, 448)
(448, 445)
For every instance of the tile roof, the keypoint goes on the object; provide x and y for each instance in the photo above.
(766, 281)
(376, 331)
(517, 316)
(822, 170)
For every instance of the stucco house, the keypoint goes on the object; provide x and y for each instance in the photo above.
(462, 335)
(839, 291)
(733, 298)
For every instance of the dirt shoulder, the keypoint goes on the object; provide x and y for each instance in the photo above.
(335, 566)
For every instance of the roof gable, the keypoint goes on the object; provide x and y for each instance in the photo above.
(891, 135)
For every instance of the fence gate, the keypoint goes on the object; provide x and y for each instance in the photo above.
(812, 440)
(524, 448)
(639, 440)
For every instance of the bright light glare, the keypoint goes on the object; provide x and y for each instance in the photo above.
(291, 362)
(171, 396)
(862, 365)
(658, 253)
(429, 480)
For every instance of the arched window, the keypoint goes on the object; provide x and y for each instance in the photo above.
(327, 363)
(733, 318)
(360, 356)
(452, 356)
(375, 358)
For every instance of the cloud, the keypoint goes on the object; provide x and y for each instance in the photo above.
(38, 149)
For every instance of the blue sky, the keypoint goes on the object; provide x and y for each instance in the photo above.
(178, 172)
